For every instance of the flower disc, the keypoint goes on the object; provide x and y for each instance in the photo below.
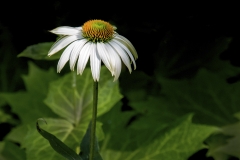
(98, 31)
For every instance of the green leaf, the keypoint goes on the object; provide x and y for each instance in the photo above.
(215, 144)
(7, 118)
(38, 148)
(85, 146)
(57, 145)
(71, 96)
(207, 95)
(28, 105)
(37, 81)
(138, 86)
(182, 57)
(177, 141)
(226, 143)
(39, 52)
(2, 102)
(10, 151)
(17, 134)
(223, 69)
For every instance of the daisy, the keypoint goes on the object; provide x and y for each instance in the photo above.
(96, 40)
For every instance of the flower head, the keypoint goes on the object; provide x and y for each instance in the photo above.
(96, 40)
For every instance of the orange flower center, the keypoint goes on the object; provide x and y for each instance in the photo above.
(98, 31)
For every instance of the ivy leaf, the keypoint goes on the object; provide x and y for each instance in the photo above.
(10, 151)
(178, 140)
(39, 52)
(71, 96)
(58, 145)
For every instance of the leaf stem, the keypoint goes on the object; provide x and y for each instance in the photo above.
(94, 117)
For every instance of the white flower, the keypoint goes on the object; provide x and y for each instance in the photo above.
(95, 39)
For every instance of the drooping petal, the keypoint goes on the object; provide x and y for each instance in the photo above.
(65, 57)
(75, 52)
(117, 61)
(128, 44)
(83, 57)
(78, 28)
(63, 42)
(126, 50)
(104, 55)
(95, 62)
(66, 30)
(112, 59)
(122, 54)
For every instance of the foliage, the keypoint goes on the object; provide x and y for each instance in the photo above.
(168, 115)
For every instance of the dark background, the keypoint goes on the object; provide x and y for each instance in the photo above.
(147, 25)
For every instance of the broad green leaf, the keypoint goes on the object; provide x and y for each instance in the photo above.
(10, 151)
(38, 148)
(37, 81)
(58, 145)
(39, 52)
(215, 144)
(28, 105)
(138, 86)
(229, 135)
(17, 134)
(7, 118)
(115, 123)
(85, 146)
(223, 69)
(71, 96)
(210, 97)
(2, 102)
(182, 57)
(177, 141)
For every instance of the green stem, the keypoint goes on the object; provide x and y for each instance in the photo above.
(94, 117)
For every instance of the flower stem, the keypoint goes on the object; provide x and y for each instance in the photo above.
(93, 123)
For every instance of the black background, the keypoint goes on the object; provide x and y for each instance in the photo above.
(145, 24)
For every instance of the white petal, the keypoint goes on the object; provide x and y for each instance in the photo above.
(64, 57)
(128, 44)
(114, 27)
(66, 30)
(122, 54)
(78, 28)
(63, 42)
(75, 52)
(116, 61)
(126, 50)
(95, 62)
(83, 57)
(104, 55)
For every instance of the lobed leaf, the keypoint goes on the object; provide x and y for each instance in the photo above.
(39, 52)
